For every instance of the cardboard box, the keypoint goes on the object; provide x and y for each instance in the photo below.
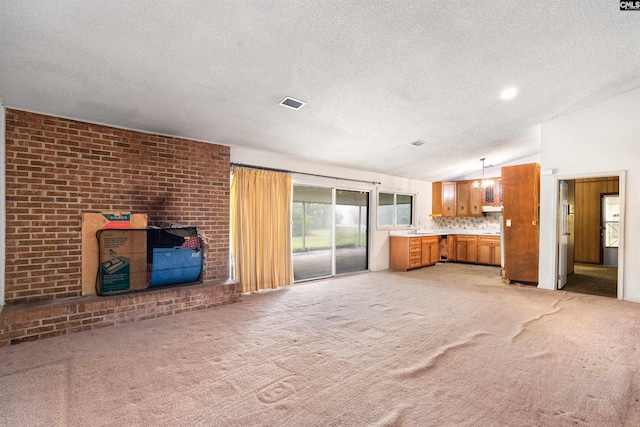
(123, 260)
(92, 222)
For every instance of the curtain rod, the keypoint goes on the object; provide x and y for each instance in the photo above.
(301, 173)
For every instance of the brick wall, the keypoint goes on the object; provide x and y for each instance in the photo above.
(29, 322)
(58, 168)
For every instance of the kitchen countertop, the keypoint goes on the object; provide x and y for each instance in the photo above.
(446, 231)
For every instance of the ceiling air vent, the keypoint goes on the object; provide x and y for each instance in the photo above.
(292, 103)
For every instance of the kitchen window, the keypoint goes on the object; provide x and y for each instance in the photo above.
(395, 210)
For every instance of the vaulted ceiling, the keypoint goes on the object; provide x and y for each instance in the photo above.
(375, 75)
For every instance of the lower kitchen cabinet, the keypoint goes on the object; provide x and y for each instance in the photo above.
(412, 252)
(466, 248)
(476, 249)
(407, 252)
(430, 250)
(489, 250)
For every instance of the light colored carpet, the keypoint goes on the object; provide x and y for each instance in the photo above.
(440, 346)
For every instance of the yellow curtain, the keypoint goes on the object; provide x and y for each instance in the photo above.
(261, 228)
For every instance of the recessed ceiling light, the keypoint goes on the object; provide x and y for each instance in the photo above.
(418, 143)
(292, 103)
(509, 93)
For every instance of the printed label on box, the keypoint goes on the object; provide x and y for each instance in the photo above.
(116, 273)
(117, 220)
(123, 260)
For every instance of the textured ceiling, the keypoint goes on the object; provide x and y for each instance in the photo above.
(376, 75)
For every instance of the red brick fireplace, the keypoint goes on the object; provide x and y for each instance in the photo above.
(58, 168)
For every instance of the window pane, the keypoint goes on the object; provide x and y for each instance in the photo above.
(404, 209)
(385, 209)
(612, 221)
(385, 199)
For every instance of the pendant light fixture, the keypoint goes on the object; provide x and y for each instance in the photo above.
(485, 183)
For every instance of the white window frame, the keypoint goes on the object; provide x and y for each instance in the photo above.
(395, 224)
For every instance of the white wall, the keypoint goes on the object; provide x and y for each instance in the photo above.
(379, 242)
(601, 140)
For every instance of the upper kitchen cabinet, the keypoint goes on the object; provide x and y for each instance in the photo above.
(448, 199)
(476, 196)
(468, 199)
(436, 199)
(492, 195)
(475, 201)
(520, 212)
(443, 199)
(462, 198)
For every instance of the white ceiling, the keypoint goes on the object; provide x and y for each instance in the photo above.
(376, 75)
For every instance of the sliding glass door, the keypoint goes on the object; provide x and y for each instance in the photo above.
(352, 212)
(312, 232)
(329, 231)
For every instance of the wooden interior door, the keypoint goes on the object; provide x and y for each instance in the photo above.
(587, 232)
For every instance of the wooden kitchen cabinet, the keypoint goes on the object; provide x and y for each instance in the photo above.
(468, 199)
(489, 250)
(457, 198)
(475, 201)
(448, 199)
(430, 250)
(436, 199)
(462, 198)
(466, 248)
(493, 195)
(451, 247)
(412, 252)
(443, 199)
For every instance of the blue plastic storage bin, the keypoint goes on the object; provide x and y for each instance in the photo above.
(175, 265)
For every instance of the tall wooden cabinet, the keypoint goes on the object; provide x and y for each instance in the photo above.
(520, 213)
